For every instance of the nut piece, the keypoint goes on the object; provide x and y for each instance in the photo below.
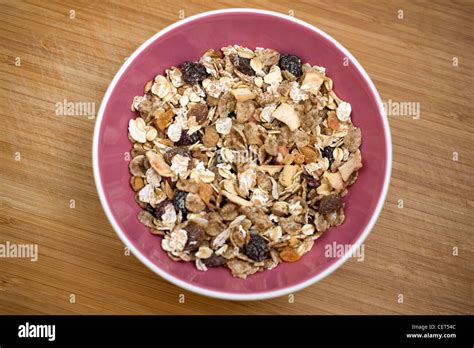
(280, 208)
(274, 75)
(158, 163)
(312, 81)
(335, 180)
(243, 94)
(355, 163)
(256, 64)
(287, 114)
(236, 199)
(287, 175)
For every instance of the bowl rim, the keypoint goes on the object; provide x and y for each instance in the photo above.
(222, 294)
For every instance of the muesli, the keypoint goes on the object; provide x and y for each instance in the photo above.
(241, 159)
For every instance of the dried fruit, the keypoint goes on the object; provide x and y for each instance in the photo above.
(177, 150)
(160, 208)
(196, 236)
(214, 261)
(289, 255)
(179, 202)
(309, 153)
(330, 204)
(193, 72)
(257, 248)
(291, 64)
(243, 65)
(327, 152)
(186, 139)
(310, 180)
(333, 121)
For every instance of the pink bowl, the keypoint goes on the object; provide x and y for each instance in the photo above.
(187, 40)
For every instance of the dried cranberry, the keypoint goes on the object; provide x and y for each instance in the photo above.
(327, 152)
(187, 139)
(243, 65)
(214, 261)
(310, 180)
(257, 248)
(330, 204)
(161, 207)
(193, 72)
(179, 202)
(168, 155)
(196, 236)
(291, 64)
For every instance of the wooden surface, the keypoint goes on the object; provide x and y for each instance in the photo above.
(409, 252)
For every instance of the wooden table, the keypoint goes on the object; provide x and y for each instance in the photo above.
(419, 257)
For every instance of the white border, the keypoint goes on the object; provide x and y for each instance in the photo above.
(219, 294)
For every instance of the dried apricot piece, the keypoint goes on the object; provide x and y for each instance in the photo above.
(289, 255)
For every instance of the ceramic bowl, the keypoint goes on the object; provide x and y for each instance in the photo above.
(188, 39)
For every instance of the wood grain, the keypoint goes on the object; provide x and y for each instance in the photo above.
(410, 250)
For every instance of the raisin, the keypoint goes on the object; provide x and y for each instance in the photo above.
(214, 261)
(193, 72)
(292, 64)
(257, 248)
(327, 152)
(243, 65)
(161, 207)
(196, 236)
(179, 202)
(187, 139)
(330, 204)
(168, 155)
(310, 180)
